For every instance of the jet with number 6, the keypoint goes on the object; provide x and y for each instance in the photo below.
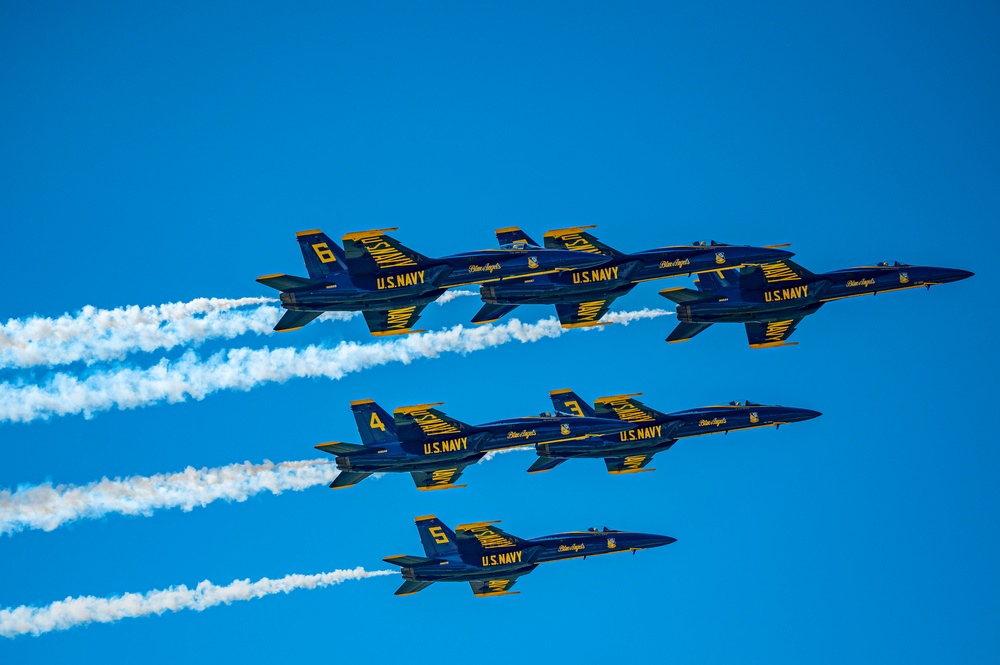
(491, 560)
(649, 431)
(435, 448)
(583, 296)
(390, 284)
(772, 298)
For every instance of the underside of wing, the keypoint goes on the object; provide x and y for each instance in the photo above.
(398, 321)
(438, 479)
(628, 464)
(772, 333)
(409, 588)
(543, 464)
(494, 587)
(583, 314)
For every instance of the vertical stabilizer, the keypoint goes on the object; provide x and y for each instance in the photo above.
(323, 257)
(375, 426)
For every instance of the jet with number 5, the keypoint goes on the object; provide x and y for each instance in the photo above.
(390, 284)
(771, 299)
(583, 296)
(491, 560)
(435, 448)
(649, 431)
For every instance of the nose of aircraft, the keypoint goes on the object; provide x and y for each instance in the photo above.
(653, 540)
(798, 415)
(954, 275)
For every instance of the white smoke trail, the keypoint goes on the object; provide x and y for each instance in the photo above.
(64, 614)
(190, 377)
(47, 507)
(448, 296)
(95, 335)
(503, 451)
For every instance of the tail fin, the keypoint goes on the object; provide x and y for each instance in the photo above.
(423, 421)
(680, 295)
(512, 235)
(711, 282)
(294, 319)
(375, 425)
(409, 588)
(568, 402)
(438, 540)
(685, 331)
(757, 278)
(490, 313)
(323, 257)
(578, 239)
(369, 252)
(543, 464)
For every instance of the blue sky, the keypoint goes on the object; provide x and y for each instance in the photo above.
(161, 153)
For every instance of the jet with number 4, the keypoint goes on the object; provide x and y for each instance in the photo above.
(491, 560)
(390, 284)
(435, 448)
(582, 297)
(649, 431)
(771, 299)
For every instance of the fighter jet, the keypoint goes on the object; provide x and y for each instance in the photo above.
(491, 560)
(771, 299)
(435, 448)
(650, 431)
(391, 284)
(582, 297)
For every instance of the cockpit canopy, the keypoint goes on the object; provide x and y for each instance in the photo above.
(895, 264)
(746, 403)
(705, 243)
(519, 244)
(605, 529)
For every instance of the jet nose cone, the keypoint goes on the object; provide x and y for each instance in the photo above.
(805, 414)
(961, 274)
(660, 541)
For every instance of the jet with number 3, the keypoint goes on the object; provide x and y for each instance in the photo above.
(435, 448)
(649, 431)
(491, 560)
(390, 284)
(772, 298)
(582, 297)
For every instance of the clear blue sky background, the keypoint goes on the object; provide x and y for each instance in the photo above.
(163, 152)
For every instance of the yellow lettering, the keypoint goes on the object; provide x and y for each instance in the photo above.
(438, 534)
(375, 423)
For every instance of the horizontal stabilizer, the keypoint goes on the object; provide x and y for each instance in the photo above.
(490, 313)
(293, 320)
(680, 295)
(347, 479)
(543, 464)
(407, 561)
(408, 588)
(337, 448)
(685, 331)
(286, 282)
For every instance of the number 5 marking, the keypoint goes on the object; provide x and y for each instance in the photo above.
(438, 535)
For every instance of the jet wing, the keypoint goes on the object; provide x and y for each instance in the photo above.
(399, 321)
(439, 479)
(347, 479)
(629, 464)
(583, 314)
(772, 333)
(495, 587)
(685, 331)
(624, 407)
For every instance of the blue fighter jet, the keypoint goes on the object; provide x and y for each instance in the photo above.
(650, 431)
(491, 560)
(390, 284)
(771, 299)
(435, 448)
(582, 297)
